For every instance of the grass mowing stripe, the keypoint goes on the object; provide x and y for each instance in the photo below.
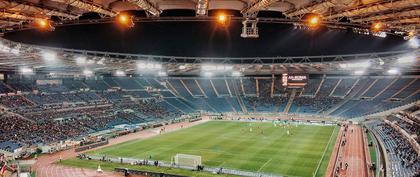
(325, 161)
(325, 150)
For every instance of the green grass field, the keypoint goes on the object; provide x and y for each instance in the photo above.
(231, 145)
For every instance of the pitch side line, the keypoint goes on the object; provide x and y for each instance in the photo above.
(323, 154)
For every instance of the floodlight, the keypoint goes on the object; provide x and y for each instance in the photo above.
(359, 72)
(207, 74)
(26, 70)
(162, 73)
(125, 20)
(393, 71)
(49, 55)
(87, 72)
(236, 74)
(407, 59)
(80, 60)
(119, 73)
(182, 67)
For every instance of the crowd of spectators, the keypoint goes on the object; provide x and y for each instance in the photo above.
(316, 104)
(14, 101)
(409, 157)
(265, 101)
(404, 121)
(33, 118)
(22, 131)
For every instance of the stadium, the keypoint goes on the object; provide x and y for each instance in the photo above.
(174, 88)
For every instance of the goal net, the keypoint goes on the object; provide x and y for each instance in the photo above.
(187, 160)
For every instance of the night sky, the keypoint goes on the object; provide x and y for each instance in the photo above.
(206, 39)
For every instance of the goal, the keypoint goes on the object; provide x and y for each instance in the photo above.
(187, 160)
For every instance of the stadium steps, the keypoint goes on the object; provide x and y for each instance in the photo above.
(319, 87)
(186, 88)
(242, 87)
(333, 90)
(402, 89)
(228, 88)
(22, 117)
(28, 100)
(350, 95)
(386, 88)
(9, 87)
(179, 109)
(351, 88)
(272, 86)
(214, 88)
(368, 88)
(290, 101)
(257, 87)
(231, 105)
(201, 89)
(277, 107)
(172, 88)
(238, 94)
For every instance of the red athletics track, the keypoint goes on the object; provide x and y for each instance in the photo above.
(45, 167)
(353, 153)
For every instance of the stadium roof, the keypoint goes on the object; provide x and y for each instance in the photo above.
(397, 15)
(15, 56)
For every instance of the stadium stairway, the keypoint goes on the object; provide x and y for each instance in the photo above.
(290, 102)
(237, 94)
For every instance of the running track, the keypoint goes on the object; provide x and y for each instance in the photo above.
(353, 153)
(45, 167)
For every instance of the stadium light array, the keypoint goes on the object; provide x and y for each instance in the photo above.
(149, 66)
(119, 73)
(80, 60)
(236, 74)
(90, 62)
(355, 65)
(313, 21)
(380, 34)
(125, 20)
(182, 67)
(393, 71)
(377, 26)
(162, 74)
(15, 51)
(26, 71)
(207, 74)
(101, 61)
(87, 72)
(49, 55)
(44, 24)
(222, 18)
(216, 67)
(359, 72)
(407, 59)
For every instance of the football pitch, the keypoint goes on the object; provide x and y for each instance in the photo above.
(232, 145)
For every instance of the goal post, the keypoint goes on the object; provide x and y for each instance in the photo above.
(187, 160)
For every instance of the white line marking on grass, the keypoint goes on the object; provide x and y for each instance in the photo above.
(323, 154)
(269, 160)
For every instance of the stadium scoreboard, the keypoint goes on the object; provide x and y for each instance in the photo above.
(294, 80)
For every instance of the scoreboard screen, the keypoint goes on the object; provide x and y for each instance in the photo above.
(294, 80)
